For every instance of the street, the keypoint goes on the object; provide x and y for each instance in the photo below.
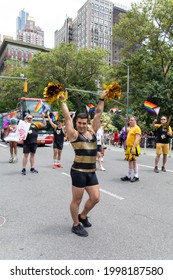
(132, 221)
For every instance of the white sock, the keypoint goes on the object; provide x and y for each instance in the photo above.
(136, 171)
(130, 173)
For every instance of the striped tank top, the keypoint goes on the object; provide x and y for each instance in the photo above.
(85, 153)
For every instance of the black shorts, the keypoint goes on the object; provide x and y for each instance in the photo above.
(29, 148)
(58, 146)
(83, 179)
(99, 148)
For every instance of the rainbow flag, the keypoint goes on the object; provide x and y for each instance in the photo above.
(72, 113)
(151, 108)
(116, 111)
(90, 108)
(54, 116)
(40, 108)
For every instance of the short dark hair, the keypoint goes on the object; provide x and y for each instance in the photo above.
(82, 116)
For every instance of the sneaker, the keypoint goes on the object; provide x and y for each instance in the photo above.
(15, 159)
(102, 168)
(134, 179)
(84, 222)
(33, 170)
(79, 230)
(126, 178)
(156, 170)
(163, 169)
(11, 160)
(54, 166)
(59, 165)
(23, 172)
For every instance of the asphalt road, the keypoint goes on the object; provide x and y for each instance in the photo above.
(133, 221)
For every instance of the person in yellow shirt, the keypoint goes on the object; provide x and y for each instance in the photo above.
(132, 151)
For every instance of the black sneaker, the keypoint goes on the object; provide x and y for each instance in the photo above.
(125, 178)
(79, 230)
(134, 179)
(84, 222)
(163, 169)
(156, 170)
(23, 172)
(33, 170)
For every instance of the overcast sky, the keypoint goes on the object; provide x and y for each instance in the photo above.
(48, 15)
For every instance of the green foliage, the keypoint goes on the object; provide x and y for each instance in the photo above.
(146, 34)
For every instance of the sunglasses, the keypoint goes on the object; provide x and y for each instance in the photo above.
(29, 118)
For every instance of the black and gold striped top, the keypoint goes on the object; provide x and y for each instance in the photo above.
(85, 153)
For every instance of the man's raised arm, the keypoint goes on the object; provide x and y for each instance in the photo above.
(71, 132)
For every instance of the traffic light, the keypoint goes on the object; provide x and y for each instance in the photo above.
(25, 87)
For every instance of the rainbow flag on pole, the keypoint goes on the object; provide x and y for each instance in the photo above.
(116, 111)
(90, 108)
(40, 107)
(151, 108)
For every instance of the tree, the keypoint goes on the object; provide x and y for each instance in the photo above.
(146, 34)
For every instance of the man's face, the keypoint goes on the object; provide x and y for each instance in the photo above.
(132, 122)
(163, 120)
(81, 125)
(59, 124)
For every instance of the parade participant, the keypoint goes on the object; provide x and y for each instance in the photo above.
(12, 139)
(30, 143)
(163, 135)
(100, 144)
(132, 151)
(59, 134)
(84, 143)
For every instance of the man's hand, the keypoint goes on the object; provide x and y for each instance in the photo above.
(104, 94)
(62, 97)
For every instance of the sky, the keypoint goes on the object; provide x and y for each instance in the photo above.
(48, 15)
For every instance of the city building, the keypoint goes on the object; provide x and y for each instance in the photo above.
(27, 31)
(15, 51)
(92, 27)
(21, 20)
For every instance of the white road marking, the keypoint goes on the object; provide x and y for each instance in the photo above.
(65, 174)
(148, 166)
(4, 220)
(3, 145)
(112, 194)
(103, 191)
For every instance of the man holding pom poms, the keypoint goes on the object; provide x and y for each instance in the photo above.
(84, 143)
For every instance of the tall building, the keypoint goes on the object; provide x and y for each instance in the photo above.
(27, 31)
(21, 20)
(65, 33)
(92, 27)
(116, 46)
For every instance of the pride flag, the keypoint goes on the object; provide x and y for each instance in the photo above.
(90, 108)
(151, 108)
(116, 111)
(40, 108)
(54, 116)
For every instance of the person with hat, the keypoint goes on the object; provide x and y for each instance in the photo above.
(30, 143)
(59, 134)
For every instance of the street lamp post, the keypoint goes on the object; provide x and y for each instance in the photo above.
(128, 83)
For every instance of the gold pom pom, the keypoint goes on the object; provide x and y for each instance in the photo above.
(51, 92)
(114, 91)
